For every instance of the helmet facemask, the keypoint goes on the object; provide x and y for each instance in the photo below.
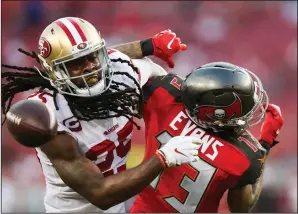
(59, 74)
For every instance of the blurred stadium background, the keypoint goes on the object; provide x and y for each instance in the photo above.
(260, 36)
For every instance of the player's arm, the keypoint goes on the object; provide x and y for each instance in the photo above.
(163, 45)
(84, 177)
(148, 69)
(131, 49)
(244, 198)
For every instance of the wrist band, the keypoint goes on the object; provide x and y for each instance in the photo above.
(161, 158)
(147, 47)
(265, 145)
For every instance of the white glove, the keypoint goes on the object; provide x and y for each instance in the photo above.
(180, 150)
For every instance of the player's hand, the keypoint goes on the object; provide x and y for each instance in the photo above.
(165, 44)
(180, 150)
(271, 125)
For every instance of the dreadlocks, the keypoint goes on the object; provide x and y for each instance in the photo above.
(119, 98)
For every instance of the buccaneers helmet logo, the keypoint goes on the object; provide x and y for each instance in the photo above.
(44, 48)
(221, 112)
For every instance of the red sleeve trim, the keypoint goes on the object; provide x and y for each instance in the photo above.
(110, 51)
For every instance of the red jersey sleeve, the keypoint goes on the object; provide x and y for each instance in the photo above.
(157, 88)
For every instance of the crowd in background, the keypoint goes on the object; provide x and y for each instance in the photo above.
(258, 35)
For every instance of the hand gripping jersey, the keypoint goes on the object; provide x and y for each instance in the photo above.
(105, 142)
(226, 161)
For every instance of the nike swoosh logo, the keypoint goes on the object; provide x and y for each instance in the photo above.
(176, 150)
(170, 43)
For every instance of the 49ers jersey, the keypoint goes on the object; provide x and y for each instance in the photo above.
(106, 142)
(226, 161)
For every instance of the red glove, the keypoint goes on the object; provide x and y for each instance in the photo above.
(163, 45)
(271, 125)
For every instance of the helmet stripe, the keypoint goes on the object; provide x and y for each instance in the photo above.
(72, 30)
(78, 28)
(67, 32)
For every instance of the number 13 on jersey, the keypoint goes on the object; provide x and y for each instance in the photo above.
(189, 189)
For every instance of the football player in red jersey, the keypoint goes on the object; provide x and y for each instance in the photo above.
(217, 103)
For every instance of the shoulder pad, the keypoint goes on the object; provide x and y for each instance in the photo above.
(169, 82)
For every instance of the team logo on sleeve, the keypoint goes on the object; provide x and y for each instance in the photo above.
(73, 124)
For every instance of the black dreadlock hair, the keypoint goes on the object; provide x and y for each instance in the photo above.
(119, 101)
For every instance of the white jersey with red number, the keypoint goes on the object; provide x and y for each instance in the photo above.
(106, 142)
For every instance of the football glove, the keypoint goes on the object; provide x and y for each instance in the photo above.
(180, 150)
(163, 45)
(271, 125)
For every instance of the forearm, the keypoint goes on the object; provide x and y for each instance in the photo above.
(85, 178)
(244, 199)
(247, 197)
(256, 190)
(131, 49)
(136, 49)
(120, 187)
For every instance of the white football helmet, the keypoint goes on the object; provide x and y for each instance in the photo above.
(68, 39)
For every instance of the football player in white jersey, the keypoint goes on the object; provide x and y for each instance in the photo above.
(95, 93)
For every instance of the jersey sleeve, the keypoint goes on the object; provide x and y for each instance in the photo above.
(120, 62)
(250, 176)
(148, 69)
(254, 171)
(160, 91)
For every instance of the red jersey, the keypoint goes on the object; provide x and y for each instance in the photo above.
(227, 161)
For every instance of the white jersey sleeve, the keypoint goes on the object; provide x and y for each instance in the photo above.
(148, 69)
(120, 63)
